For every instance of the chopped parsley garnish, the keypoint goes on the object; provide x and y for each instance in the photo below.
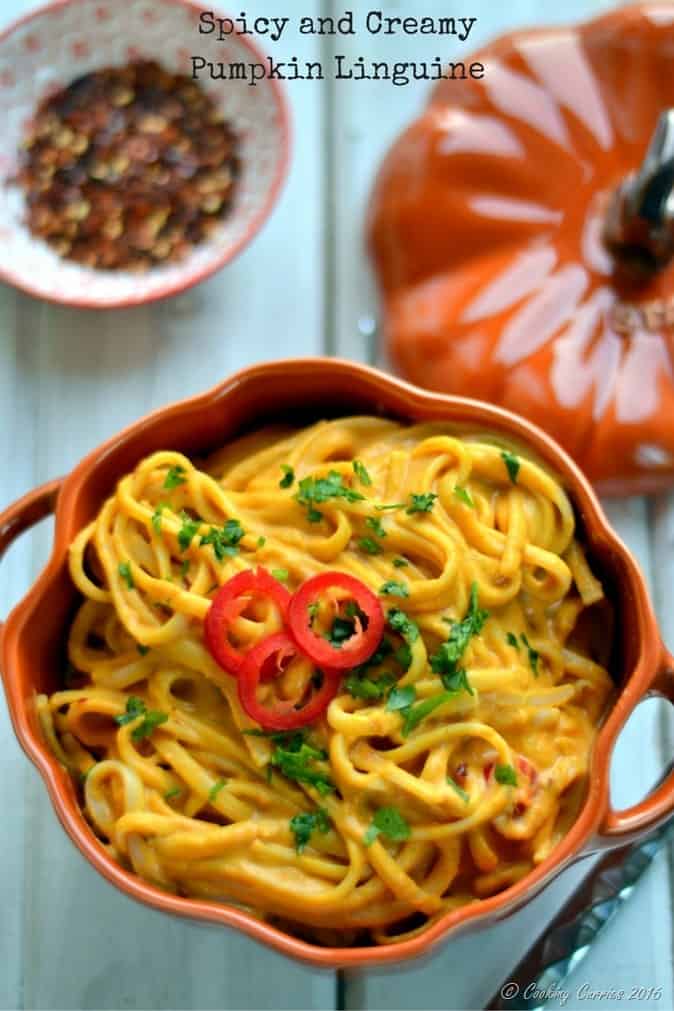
(457, 789)
(361, 473)
(187, 531)
(393, 589)
(124, 570)
(370, 546)
(215, 789)
(534, 655)
(512, 640)
(457, 682)
(404, 656)
(400, 563)
(446, 661)
(512, 464)
(288, 476)
(464, 496)
(401, 698)
(135, 709)
(261, 541)
(399, 622)
(314, 490)
(174, 477)
(175, 791)
(281, 574)
(415, 714)
(369, 688)
(422, 503)
(295, 758)
(390, 505)
(151, 720)
(225, 540)
(156, 517)
(375, 524)
(184, 568)
(505, 775)
(387, 821)
(341, 630)
(302, 826)
(143, 650)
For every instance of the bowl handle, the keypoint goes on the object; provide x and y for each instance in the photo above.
(26, 512)
(618, 827)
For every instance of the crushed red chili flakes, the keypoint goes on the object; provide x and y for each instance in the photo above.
(127, 168)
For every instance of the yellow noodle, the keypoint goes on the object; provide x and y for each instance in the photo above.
(484, 786)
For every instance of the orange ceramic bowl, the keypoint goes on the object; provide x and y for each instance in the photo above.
(33, 636)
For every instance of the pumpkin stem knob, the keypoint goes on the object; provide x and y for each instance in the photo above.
(639, 225)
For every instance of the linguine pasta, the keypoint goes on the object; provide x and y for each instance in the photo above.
(427, 783)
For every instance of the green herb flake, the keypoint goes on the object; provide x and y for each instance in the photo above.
(415, 714)
(464, 496)
(404, 656)
(261, 541)
(387, 821)
(393, 589)
(143, 650)
(225, 540)
(457, 789)
(446, 661)
(288, 476)
(390, 506)
(534, 655)
(361, 473)
(376, 525)
(399, 622)
(187, 531)
(370, 689)
(296, 759)
(174, 477)
(400, 563)
(505, 775)
(314, 490)
(124, 570)
(303, 825)
(215, 790)
(281, 574)
(512, 640)
(134, 707)
(341, 630)
(184, 568)
(152, 718)
(422, 503)
(401, 698)
(369, 546)
(156, 517)
(512, 464)
(175, 791)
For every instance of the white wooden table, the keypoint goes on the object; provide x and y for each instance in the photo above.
(69, 379)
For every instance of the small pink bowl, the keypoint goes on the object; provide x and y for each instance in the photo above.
(45, 50)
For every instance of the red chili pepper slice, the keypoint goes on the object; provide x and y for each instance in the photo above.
(231, 599)
(282, 715)
(368, 622)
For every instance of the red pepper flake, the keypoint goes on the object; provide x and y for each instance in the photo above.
(127, 168)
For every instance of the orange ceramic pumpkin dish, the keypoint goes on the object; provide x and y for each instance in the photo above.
(487, 229)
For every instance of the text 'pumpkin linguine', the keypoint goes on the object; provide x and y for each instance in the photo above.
(446, 766)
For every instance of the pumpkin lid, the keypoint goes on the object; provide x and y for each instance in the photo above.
(501, 225)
